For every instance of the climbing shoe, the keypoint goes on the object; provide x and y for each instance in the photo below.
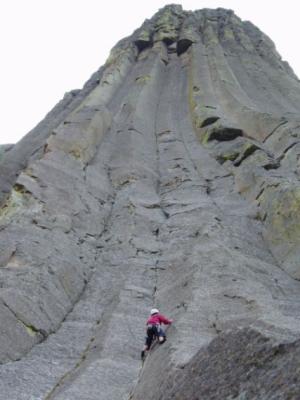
(142, 354)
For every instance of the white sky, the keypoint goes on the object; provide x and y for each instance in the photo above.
(49, 47)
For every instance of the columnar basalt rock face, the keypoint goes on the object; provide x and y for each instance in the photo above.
(170, 180)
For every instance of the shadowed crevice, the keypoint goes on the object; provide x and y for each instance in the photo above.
(223, 134)
(209, 121)
(183, 45)
(143, 44)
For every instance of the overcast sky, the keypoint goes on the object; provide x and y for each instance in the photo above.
(49, 47)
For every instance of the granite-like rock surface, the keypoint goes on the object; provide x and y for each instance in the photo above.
(236, 365)
(170, 180)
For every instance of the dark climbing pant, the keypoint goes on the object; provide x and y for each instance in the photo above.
(153, 332)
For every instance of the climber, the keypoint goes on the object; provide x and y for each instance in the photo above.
(154, 329)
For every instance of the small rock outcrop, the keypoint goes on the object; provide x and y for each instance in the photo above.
(170, 180)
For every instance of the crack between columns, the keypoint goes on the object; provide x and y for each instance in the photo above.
(156, 268)
(158, 184)
(70, 374)
(30, 328)
(62, 380)
(274, 130)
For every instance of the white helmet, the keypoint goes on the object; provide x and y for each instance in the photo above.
(154, 311)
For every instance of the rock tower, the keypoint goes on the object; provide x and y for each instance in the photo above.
(170, 180)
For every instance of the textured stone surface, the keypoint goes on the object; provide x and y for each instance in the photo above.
(236, 365)
(169, 180)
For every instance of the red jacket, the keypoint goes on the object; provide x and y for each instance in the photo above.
(158, 319)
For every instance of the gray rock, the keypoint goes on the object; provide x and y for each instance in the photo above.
(170, 180)
(242, 364)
